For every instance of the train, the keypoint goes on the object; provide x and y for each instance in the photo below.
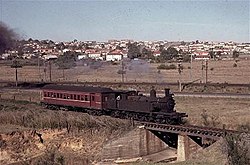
(124, 104)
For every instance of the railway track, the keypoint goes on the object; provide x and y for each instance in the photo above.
(205, 132)
(124, 83)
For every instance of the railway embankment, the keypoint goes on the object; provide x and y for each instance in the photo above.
(31, 134)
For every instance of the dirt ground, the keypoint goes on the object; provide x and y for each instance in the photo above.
(218, 72)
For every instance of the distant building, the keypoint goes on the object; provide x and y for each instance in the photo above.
(115, 55)
(156, 53)
(49, 57)
(201, 55)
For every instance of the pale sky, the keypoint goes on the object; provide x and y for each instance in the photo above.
(139, 20)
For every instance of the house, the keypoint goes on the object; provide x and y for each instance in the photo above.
(156, 53)
(115, 55)
(95, 55)
(201, 55)
(50, 57)
(5, 56)
(82, 56)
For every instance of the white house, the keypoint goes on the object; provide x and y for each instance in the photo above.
(50, 57)
(82, 56)
(115, 55)
(201, 55)
(95, 55)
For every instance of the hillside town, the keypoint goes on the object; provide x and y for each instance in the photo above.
(115, 50)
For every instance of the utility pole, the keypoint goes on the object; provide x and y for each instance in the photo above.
(206, 71)
(191, 67)
(202, 70)
(122, 71)
(50, 79)
(38, 63)
(45, 70)
(180, 68)
(16, 65)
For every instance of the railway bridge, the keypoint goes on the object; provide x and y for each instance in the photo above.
(186, 139)
(158, 142)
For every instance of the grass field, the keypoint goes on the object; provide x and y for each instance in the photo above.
(228, 111)
(218, 72)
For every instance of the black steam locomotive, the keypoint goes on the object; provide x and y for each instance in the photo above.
(119, 104)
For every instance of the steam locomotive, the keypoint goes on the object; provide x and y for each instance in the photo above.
(115, 103)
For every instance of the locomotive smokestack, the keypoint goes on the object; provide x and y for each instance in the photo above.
(153, 92)
(167, 92)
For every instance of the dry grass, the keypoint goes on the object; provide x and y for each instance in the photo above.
(218, 72)
(228, 111)
(71, 133)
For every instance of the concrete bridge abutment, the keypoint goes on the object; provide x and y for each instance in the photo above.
(185, 147)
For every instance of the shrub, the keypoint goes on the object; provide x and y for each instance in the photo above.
(237, 148)
(209, 120)
(167, 67)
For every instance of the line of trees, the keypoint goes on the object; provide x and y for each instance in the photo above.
(136, 50)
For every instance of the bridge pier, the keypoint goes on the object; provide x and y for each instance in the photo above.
(185, 147)
(136, 143)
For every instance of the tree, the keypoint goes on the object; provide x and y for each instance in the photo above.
(218, 54)
(66, 61)
(147, 53)
(235, 54)
(169, 54)
(133, 50)
(7, 38)
(212, 54)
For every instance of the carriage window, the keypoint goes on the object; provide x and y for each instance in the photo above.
(82, 97)
(57, 95)
(93, 98)
(106, 98)
(86, 98)
(74, 97)
(45, 94)
(78, 97)
(61, 96)
(64, 96)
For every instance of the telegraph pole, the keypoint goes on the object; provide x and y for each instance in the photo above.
(16, 65)
(45, 70)
(122, 71)
(191, 65)
(180, 68)
(38, 63)
(50, 79)
(202, 70)
(206, 71)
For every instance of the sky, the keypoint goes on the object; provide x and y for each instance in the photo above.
(221, 20)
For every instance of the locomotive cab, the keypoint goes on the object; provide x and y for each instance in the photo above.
(165, 104)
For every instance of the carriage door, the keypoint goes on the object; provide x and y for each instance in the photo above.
(92, 100)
